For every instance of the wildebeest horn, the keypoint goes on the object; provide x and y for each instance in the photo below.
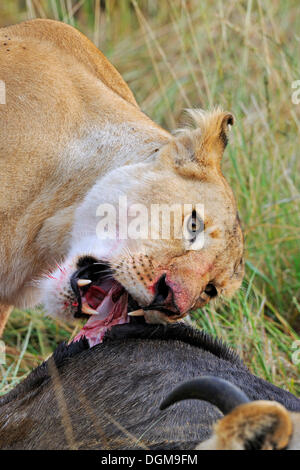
(219, 392)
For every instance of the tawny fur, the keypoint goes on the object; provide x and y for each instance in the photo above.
(72, 137)
(5, 311)
(263, 425)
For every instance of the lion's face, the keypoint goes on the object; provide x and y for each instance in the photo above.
(159, 238)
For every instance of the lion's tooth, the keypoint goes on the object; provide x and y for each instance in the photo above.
(83, 282)
(137, 313)
(87, 309)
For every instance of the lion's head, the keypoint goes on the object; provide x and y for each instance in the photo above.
(159, 237)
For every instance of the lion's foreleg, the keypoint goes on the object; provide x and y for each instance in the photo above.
(5, 311)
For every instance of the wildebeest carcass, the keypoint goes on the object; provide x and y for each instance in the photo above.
(108, 396)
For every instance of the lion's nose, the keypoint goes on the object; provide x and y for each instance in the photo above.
(164, 298)
(162, 291)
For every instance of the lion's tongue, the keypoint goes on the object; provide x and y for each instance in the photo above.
(112, 310)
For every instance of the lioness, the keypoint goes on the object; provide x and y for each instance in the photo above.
(72, 139)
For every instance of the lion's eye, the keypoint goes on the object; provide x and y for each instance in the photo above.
(195, 225)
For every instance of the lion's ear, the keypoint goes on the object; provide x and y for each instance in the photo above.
(199, 147)
(259, 425)
(211, 134)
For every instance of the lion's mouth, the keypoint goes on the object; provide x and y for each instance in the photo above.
(107, 303)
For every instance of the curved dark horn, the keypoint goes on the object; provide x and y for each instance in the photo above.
(219, 392)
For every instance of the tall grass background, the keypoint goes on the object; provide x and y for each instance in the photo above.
(243, 55)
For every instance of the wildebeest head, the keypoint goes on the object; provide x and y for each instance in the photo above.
(108, 396)
(247, 425)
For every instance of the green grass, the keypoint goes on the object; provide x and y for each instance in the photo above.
(243, 55)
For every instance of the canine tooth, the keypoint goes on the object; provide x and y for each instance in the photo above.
(137, 313)
(87, 309)
(83, 282)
